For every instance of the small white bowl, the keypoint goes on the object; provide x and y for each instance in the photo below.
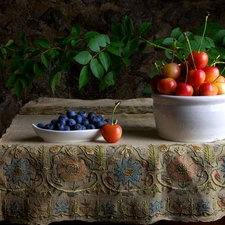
(190, 119)
(55, 136)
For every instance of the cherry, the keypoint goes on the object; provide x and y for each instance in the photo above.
(184, 89)
(208, 89)
(196, 77)
(166, 86)
(171, 70)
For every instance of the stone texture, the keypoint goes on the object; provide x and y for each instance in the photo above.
(56, 17)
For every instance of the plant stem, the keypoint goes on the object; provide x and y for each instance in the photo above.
(116, 105)
(203, 35)
(189, 45)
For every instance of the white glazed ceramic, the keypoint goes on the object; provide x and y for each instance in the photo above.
(190, 119)
(54, 136)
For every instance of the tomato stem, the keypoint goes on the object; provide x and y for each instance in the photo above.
(203, 35)
(114, 109)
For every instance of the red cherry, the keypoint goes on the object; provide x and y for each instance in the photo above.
(200, 60)
(207, 89)
(184, 89)
(166, 86)
(154, 80)
(195, 77)
(171, 70)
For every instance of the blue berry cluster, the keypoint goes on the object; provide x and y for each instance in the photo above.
(75, 121)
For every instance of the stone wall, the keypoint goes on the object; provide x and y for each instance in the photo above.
(41, 18)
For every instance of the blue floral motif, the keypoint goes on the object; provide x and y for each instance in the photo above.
(156, 206)
(18, 170)
(16, 208)
(203, 207)
(128, 171)
(62, 207)
(108, 208)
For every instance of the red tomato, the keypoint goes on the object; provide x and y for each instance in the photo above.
(111, 132)
(200, 60)
(183, 89)
(195, 77)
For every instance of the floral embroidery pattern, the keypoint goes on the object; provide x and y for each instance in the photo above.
(182, 168)
(128, 171)
(71, 170)
(18, 170)
(111, 183)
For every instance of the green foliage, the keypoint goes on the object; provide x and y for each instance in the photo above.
(97, 55)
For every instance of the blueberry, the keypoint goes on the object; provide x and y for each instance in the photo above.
(83, 127)
(41, 125)
(99, 117)
(85, 122)
(108, 120)
(70, 113)
(90, 126)
(91, 115)
(83, 114)
(99, 124)
(78, 118)
(76, 127)
(49, 126)
(70, 122)
(59, 126)
(54, 121)
(67, 128)
(62, 119)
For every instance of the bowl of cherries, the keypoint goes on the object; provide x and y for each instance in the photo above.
(189, 98)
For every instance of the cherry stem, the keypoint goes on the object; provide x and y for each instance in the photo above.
(116, 105)
(203, 35)
(186, 67)
(189, 45)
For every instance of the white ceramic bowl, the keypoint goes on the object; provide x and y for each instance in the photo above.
(55, 136)
(190, 119)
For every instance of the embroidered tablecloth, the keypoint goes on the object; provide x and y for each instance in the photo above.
(141, 179)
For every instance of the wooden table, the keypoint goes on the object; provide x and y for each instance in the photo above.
(141, 179)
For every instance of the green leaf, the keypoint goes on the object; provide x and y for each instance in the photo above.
(93, 45)
(96, 68)
(83, 57)
(76, 30)
(114, 51)
(84, 77)
(128, 24)
(74, 43)
(54, 53)
(109, 78)
(9, 43)
(168, 41)
(105, 60)
(34, 53)
(147, 89)
(45, 60)
(12, 80)
(18, 87)
(16, 59)
(90, 34)
(39, 69)
(43, 42)
(176, 33)
(118, 30)
(55, 79)
(117, 44)
(212, 28)
(23, 38)
(142, 46)
(101, 40)
(126, 61)
(24, 80)
(144, 28)
(14, 67)
(27, 67)
(219, 36)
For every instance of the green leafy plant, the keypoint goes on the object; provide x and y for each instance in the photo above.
(98, 55)
(209, 38)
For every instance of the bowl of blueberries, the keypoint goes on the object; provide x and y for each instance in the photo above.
(72, 127)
